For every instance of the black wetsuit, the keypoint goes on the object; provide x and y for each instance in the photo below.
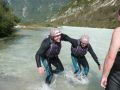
(43, 57)
(81, 60)
(113, 82)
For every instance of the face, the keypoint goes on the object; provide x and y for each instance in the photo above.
(84, 44)
(118, 17)
(57, 38)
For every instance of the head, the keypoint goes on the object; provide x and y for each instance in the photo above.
(55, 34)
(84, 40)
(118, 15)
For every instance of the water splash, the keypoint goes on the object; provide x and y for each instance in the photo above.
(43, 87)
(72, 79)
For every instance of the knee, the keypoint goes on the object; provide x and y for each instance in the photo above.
(87, 68)
(62, 69)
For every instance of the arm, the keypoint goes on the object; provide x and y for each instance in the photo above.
(110, 57)
(65, 37)
(41, 52)
(93, 55)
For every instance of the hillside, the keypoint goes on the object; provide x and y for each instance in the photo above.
(90, 13)
(7, 19)
(36, 10)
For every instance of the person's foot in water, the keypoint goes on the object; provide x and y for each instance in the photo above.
(50, 79)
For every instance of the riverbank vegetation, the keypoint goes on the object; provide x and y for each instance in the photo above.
(7, 19)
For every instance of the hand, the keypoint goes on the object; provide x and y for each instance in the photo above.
(41, 70)
(104, 82)
(100, 67)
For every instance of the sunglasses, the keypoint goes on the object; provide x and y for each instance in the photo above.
(84, 43)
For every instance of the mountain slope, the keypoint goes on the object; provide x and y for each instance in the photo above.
(36, 10)
(91, 13)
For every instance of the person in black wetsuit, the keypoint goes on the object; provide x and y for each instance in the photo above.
(48, 54)
(111, 71)
(79, 49)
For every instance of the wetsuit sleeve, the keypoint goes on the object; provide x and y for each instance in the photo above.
(93, 54)
(65, 37)
(41, 52)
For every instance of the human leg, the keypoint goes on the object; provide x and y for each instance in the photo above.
(57, 63)
(85, 65)
(48, 70)
(76, 67)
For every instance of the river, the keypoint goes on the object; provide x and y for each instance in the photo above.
(18, 67)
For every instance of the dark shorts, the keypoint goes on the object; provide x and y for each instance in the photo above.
(113, 82)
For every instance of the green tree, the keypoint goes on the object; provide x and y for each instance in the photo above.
(7, 19)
